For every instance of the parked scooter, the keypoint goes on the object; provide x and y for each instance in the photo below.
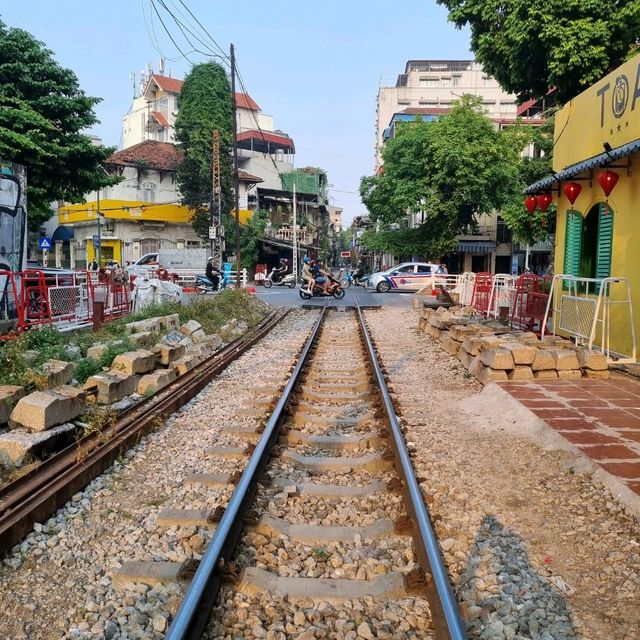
(204, 285)
(335, 290)
(288, 280)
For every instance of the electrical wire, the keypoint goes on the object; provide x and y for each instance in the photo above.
(164, 26)
(222, 51)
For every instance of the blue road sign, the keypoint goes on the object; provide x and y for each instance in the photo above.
(45, 243)
(96, 242)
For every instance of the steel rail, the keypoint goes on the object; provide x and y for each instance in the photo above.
(195, 609)
(35, 496)
(446, 615)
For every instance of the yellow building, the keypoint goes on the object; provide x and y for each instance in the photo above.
(599, 236)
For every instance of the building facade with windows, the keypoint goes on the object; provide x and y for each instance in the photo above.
(435, 84)
(597, 132)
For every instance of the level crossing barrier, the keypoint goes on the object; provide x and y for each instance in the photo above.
(582, 308)
(481, 292)
(530, 303)
(502, 295)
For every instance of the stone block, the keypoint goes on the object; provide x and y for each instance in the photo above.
(475, 365)
(186, 363)
(426, 313)
(522, 353)
(19, 446)
(9, 396)
(96, 351)
(141, 339)
(461, 332)
(422, 322)
(597, 375)
(111, 386)
(417, 304)
(569, 374)
(500, 359)
(486, 374)
(565, 359)
(189, 328)
(42, 410)
(449, 345)
(170, 322)
(592, 360)
(167, 353)
(520, 372)
(135, 362)
(465, 358)
(151, 382)
(545, 374)
(154, 325)
(54, 373)
(198, 336)
(544, 360)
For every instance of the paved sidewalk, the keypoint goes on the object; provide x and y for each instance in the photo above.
(600, 417)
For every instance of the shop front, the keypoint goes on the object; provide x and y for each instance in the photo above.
(596, 184)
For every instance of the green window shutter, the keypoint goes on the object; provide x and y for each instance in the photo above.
(605, 242)
(572, 244)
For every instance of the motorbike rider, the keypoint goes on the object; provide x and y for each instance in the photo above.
(358, 272)
(321, 277)
(307, 274)
(213, 273)
(281, 270)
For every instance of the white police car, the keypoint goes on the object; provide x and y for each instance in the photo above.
(408, 276)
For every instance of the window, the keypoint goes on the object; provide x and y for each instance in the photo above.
(193, 244)
(486, 81)
(162, 106)
(455, 81)
(424, 268)
(588, 243)
(446, 82)
(429, 82)
(148, 192)
(409, 268)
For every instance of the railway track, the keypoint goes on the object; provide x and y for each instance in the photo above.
(35, 496)
(326, 529)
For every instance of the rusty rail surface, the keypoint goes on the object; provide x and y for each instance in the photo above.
(35, 496)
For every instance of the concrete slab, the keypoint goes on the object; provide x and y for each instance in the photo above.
(333, 490)
(389, 585)
(320, 464)
(185, 518)
(301, 417)
(149, 573)
(332, 398)
(344, 443)
(229, 453)
(244, 433)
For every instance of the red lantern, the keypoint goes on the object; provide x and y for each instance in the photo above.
(544, 200)
(572, 191)
(531, 203)
(608, 180)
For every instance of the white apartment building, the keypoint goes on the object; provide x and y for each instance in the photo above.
(435, 84)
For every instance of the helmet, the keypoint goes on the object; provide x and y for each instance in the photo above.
(306, 259)
(284, 261)
(210, 258)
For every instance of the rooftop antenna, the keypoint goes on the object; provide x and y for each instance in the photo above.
(132, 79)
(161, 66)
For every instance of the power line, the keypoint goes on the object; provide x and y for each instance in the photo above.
(222, 51)
(164, 26)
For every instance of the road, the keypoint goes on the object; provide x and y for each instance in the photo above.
(283, 296)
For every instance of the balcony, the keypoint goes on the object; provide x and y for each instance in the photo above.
(479, 233)
(286, 233)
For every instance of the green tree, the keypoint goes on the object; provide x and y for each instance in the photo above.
(530, 228)
(450, 171)
(42, 114)
(530, 46)
(204, 105)
(250, 236)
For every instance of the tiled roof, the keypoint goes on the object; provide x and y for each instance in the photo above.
(243, 176)
(160, 118)
(171, 85)
(245, 101)
(149, 154)
(282, 140)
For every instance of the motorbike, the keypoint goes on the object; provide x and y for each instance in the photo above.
(204, 285)
(336, 290)
(349, 280)
(289, 280)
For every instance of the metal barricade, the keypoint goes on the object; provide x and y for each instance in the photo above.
(464, 288)
(530, 303)
(581, 308)
(481, 292)
(502, 296)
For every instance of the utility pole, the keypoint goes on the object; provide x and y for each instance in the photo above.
(97, 250)
(295, 231)
(215, 230)
(232, 56)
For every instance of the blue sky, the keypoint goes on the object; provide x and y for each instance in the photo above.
(314, 66)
